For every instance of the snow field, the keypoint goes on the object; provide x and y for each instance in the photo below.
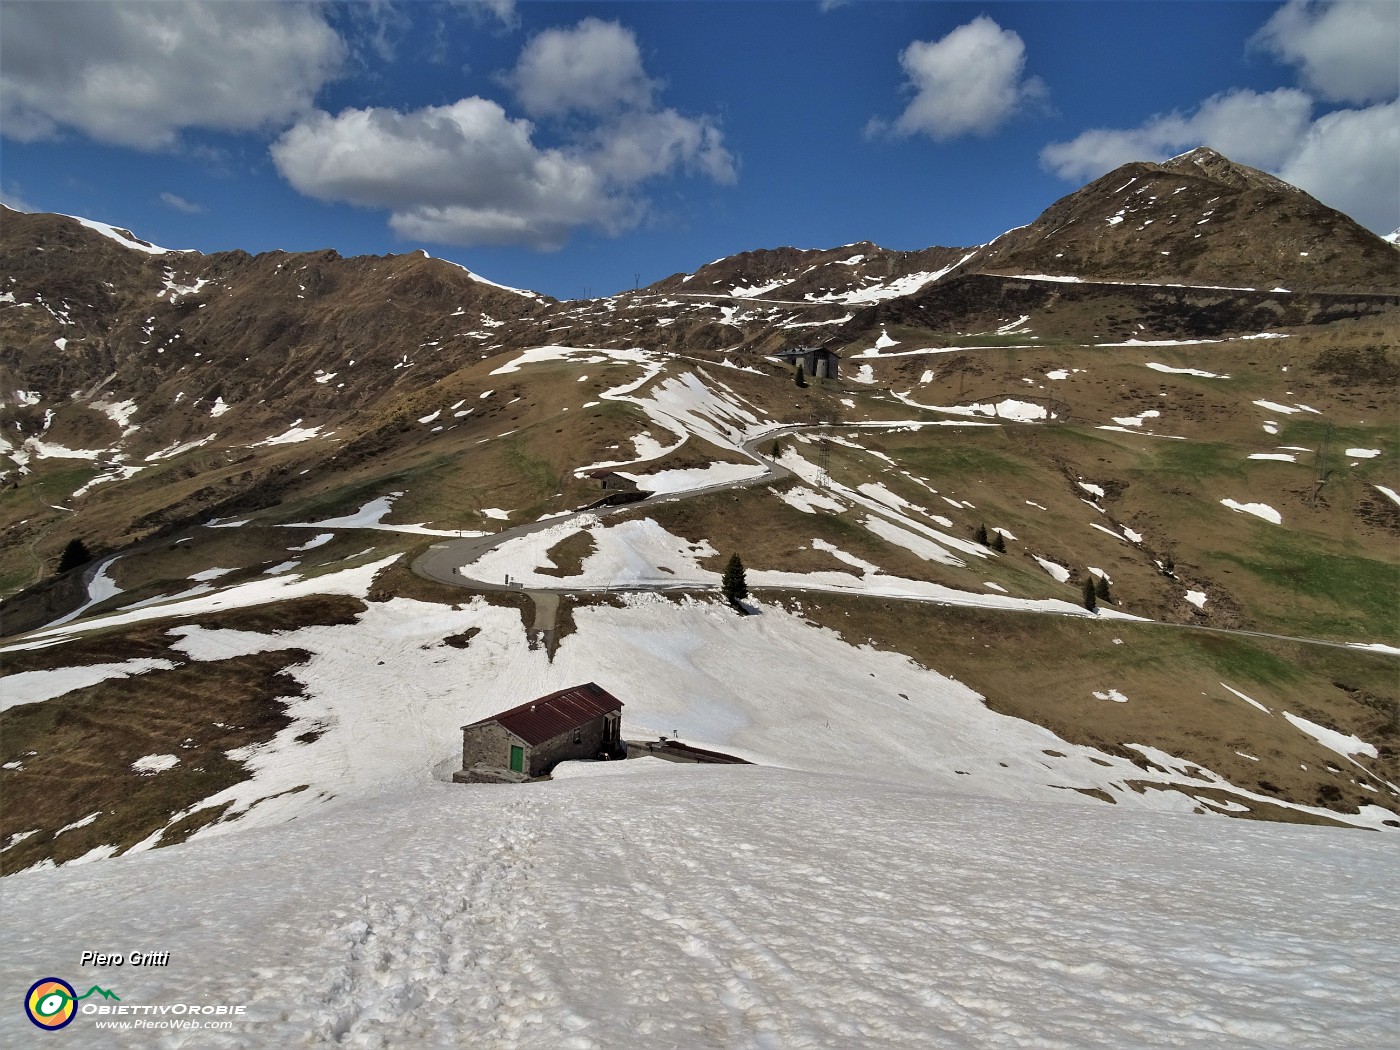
(667, 481)
(371, 516)
(720, 907)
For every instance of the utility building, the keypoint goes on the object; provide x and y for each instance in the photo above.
(817, 361)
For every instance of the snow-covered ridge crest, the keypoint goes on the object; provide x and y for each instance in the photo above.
(126, 238)
(483, 280)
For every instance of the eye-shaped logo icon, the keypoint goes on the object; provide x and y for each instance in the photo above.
(51, 1003)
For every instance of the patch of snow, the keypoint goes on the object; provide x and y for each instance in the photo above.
(171, 451)
(314, 542)
(1111, 694)
(1246, 699)
(120, 413)
(809, 501)
(41, 449)
(923, 548)
(370, 517)
(149, 764)
(292, 435)
(668, 481)
(746, 292)
(1331, 739)
(1259, 510)
(1059, 572)
(1363, 453)
(1185, 371)
(81, 823)
(1009, 408)
(1110, 532)
(353, 581)
(1197, 598)
(1281, 457)
(33, 687)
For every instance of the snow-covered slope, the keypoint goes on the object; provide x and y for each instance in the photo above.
(648, 904)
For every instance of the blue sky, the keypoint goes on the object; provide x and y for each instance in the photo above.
(577, 148)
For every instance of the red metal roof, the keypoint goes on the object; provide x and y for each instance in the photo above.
(549, 716)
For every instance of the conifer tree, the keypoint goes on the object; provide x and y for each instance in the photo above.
(1090, 599)
(981, 534)
(798, 376)
(999, 543)
(1101, 589)
(75, 554)
(733, 585)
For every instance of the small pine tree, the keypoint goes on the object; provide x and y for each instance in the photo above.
(1090, 599)
(981, 535)
(75, 554)
(733, 585)
(798, 376)
(1101, 589)
(998, 543)
(1169, 565)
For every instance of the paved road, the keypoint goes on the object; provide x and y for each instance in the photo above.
(448, 562)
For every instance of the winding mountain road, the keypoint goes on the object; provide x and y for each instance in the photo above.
(447, 562)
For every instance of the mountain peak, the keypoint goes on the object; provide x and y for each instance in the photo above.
(1196, 219)
(1211, 164)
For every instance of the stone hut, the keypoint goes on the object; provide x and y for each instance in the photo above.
(619, 488)
(613, 481)
(584, 721)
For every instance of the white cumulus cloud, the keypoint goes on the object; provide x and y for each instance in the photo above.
(1350, 160)
(460, 174)
(968, 83)
(1346, 52)
(470, 173)
(1258, 129)
(595, 67)
(137, 73)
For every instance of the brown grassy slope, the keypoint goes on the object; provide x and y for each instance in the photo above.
(73, 751)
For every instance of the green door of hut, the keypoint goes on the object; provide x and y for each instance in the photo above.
(517, 759)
